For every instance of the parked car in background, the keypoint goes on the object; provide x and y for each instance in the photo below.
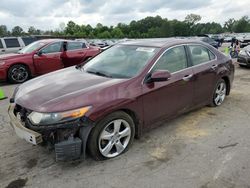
(244, 40)
(42, 57)
(244, 57)
(210, 41)
(14, 44)
(122, 92)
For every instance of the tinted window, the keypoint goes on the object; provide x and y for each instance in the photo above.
(172, 60)
(52, 48)
(75, 45)
(199, 54)
(28, 40)
(12, 43)
(211, 55)
(1, 45)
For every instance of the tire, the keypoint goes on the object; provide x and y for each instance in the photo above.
(18, 74)
(219, 93)
(108, 140)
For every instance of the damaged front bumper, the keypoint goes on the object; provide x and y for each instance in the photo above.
(70, 139)
(21, 131)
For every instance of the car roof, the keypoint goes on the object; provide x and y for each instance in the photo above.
(53, 40)
(160, 42)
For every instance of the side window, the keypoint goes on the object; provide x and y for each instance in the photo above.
(172, 60)
(52, 48)
(199, 54)
(74, 45)
(211, 55)
(1, 45)
(12, 43)
(28, 40)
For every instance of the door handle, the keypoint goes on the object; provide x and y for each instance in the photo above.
(3, 50)
(187, 77)
(214, 67)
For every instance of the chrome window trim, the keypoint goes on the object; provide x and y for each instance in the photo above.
(185, 44)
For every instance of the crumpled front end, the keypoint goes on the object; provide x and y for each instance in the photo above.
(68, 138)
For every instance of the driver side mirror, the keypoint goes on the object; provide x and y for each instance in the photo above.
(39, 53)
(158, 76)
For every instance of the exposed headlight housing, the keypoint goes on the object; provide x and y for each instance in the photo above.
(37, 118)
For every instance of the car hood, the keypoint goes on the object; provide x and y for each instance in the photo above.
(63, 90)
(11, 56)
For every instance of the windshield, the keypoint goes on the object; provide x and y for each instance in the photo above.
(120, 61)
(31, 47)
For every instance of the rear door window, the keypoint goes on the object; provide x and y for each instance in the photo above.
(75, 45)
(12, 43)
(28, 40)
(199, 54)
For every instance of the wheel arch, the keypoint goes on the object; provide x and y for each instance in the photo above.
(226, 79)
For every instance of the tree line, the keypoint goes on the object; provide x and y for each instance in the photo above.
(149, 27)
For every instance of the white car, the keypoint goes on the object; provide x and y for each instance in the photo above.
(14, 44)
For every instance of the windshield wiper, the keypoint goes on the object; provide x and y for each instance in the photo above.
(99, 73)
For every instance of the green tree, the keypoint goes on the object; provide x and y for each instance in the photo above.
(192, 19)
(17, 31)
(229, 25)
(3, 31)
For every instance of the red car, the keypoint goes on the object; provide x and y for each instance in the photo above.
(122, 92)
(42, 57)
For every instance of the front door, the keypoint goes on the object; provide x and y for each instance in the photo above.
(162, 100)
(49, 58)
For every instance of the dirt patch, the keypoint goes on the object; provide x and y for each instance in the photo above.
(31, 163)
(19, 183)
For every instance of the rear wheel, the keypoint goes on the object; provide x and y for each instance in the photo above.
(219, 93)
(18, 73)
(112, 136)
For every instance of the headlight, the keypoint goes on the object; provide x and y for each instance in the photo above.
(2, 63)
(37, 118)
(248, 53)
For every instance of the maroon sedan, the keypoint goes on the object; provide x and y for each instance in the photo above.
(42, 57)
(119, 94)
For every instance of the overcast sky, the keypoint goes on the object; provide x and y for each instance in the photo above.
(48, 14)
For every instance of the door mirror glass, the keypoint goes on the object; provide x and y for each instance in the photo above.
(39, 53)
(158, 76)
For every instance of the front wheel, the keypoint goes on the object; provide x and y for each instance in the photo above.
(18, 74)
(112, 136)
(219, 93)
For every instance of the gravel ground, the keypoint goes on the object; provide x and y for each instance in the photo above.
(205, 148)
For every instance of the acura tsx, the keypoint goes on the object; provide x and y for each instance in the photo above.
(101, 106)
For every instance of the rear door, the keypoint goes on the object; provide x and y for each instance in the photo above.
(75, 53)
(205, 67)
(49, 58)
(12, 45)
(162, 100)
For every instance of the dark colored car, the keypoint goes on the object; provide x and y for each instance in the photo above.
(244, 57)
(42, 57)
(119, 94)
(210, 41)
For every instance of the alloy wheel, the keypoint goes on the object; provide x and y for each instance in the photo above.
(114, 138)
(220, 94)
(19, 74)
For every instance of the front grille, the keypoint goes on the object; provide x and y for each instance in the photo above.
(21, 112)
